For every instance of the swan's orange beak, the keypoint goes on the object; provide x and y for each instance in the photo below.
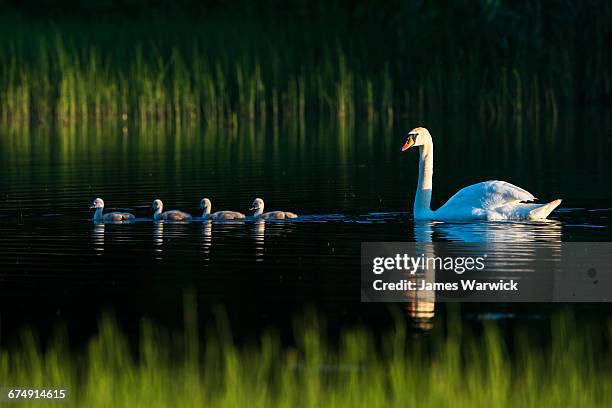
(409, 143)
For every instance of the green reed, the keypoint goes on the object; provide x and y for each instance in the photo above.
(569, 366)
(223, 71)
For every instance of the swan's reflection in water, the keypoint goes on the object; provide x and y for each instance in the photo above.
(422, 303)
(493, 236)
(494, 232)
(98, 237)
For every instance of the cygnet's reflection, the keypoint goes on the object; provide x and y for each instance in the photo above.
(98, 237)
(259, 233)
(206, 237)
(263, 230)
(158, 238)
(221, 228)
(166, 231)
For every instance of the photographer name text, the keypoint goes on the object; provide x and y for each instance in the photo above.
(465, 284)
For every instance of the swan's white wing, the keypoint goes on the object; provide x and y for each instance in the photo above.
(487, 195)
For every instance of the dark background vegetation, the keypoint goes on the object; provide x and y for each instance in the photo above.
(216, 61)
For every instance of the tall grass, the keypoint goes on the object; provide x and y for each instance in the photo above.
(225, 70)
(573, 367)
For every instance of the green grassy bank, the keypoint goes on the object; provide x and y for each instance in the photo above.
(569, 366)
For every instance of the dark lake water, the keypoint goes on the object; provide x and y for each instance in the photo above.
(348, 184)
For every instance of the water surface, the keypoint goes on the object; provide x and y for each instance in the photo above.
(349, 185)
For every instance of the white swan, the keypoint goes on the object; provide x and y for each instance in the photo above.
(98, 204)
(172, 215)
(258, 207)
(206, 205)
(489, 200)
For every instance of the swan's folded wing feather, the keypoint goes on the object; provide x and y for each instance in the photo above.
(488, 195)
(503, 192)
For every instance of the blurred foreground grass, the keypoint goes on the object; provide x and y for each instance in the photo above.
(570, 365)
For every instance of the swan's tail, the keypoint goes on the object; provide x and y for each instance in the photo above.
(544, 210)
(290, 215)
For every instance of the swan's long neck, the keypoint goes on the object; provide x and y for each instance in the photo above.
(422, 200)
(98, 214)
(157, 212)
(258, 211)
(206, 212)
